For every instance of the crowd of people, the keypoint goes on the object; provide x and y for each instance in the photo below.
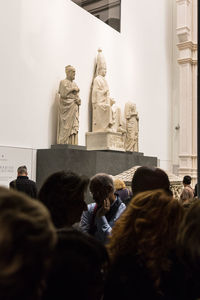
(128, 244)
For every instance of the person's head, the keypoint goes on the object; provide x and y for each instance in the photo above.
(27, 239)
(63, 193)
(146, 178)
(148, 229)
(22, 171)
(119, 184)
(102, 187)
(79, 266)
(70, 72)
(187, 180)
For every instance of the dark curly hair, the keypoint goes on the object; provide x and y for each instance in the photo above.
(187, 179)
(188, 239)
(147, 229)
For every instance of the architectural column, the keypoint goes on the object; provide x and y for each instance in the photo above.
(187, 37)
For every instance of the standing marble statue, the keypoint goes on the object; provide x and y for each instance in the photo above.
(68, 109)
(132, 127)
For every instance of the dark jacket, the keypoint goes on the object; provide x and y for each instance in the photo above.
(25, 185)
(124, 194)
(129, 279)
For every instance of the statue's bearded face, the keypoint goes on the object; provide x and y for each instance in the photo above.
(71, 74)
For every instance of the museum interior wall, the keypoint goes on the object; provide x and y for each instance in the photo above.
(40, 38)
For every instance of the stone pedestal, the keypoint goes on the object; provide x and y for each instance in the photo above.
(82, 161)
(105, 141)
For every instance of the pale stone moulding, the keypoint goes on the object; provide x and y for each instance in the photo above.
(105, 141)
(187, 46)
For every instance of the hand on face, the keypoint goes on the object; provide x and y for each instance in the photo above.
(104, 208)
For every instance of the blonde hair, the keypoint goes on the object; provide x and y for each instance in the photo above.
(119, 184)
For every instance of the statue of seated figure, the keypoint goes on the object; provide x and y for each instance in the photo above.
(103, 115)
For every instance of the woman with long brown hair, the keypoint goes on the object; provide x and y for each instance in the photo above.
(140, 246)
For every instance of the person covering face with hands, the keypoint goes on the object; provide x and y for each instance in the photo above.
(101, 215)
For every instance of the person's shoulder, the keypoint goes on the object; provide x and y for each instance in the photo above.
(189, 189)
(122, 207)
(31, 181)
(65, 82)
(11, 183)
(121, 203)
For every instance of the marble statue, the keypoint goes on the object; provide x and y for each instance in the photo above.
(108, 130)
(104, 117)
(132, 127)
(68, 109)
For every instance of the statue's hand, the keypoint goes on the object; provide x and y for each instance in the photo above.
(112, 101)
(104, 106)
(78, 101)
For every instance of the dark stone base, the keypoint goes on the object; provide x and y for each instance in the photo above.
(82, 161)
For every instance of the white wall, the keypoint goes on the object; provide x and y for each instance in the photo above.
(175, 96)
(40, 37)
(11, 158)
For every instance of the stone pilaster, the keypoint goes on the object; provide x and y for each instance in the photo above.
(187, 37)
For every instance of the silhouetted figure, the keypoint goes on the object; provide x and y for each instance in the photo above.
(63, 194)
(195, 190)
(23, 183)
(147, 179)
(27, 240)
(187, 195)
(183, 282)
(79, 268)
